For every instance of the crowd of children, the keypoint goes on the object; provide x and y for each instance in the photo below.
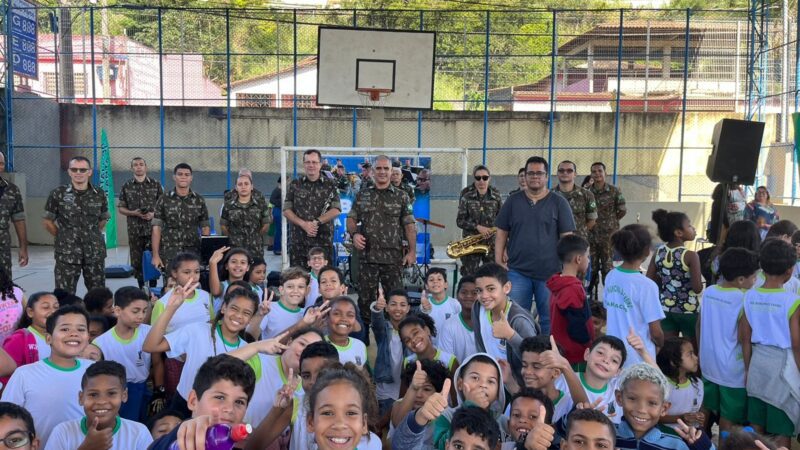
(669, 353)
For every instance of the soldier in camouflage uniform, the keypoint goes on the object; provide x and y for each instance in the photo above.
(366, 176)
(244, 219)
(179, 213)
(477, 209)
(581, 201)
(311, 205)
(11, 210)
(76, 215)
(137, 201)
(397, 181)
(380, 218)
(257, 195)
(610, 208)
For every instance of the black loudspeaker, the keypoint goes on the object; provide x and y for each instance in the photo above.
(737, 144)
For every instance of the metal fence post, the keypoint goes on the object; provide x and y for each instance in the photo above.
(552, 116)
(796, 101)
(355, 111)
(683, 100)
(228, 97)
(486, 87)
(9, 87)
(619, 94)
(161, 98)
(294, 83)
(96, 174)
(419, 113)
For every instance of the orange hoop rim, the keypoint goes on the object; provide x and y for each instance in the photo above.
(374, 94)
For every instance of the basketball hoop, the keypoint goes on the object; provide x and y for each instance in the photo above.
(373, 97)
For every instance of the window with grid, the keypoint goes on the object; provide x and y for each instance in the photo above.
(255, 100)
(78, 81)
(303, 101)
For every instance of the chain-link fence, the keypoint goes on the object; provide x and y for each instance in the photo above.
(639, 90)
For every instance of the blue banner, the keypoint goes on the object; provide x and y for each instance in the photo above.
(24, 38)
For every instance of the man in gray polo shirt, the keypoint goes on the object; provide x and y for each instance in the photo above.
(529, 226)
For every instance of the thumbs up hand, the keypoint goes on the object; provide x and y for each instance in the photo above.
(542, 435)
(635, 341)
(552, 358)
(425, 302)
(434, 406)
(501, 329)
(98, 439)
(419, 378)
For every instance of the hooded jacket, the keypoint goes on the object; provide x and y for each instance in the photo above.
(571, 318)
(520, 320)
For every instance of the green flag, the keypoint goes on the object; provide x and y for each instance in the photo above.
(107, 183)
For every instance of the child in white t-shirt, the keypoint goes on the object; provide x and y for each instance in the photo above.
(679, 363)
(123, 344)
(631, 299)
(769, 342)
(49, 387)
(287, 312)
(390, 354)
(316, 261)
(199, 341)
(720, 349)
(417, 332)
(102, 394)
(341, 320)
(456, 336)
(196, 306)
(434, 300)
(235, 267)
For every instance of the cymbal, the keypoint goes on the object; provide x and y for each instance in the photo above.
(428, 222)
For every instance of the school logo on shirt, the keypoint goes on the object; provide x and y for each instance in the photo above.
(358, 361)
(447, 316)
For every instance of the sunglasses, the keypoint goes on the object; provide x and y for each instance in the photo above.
(566, 170)
(481, 177)
(78, 170)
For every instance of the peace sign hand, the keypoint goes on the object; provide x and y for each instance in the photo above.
(285, 395)
(179, 294)
(217, 256)
(316, 313)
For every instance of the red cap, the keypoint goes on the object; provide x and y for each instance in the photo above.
(239, 432)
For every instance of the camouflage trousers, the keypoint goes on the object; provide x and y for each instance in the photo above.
(137, 246)
(68, 271)
(5, 260)
(299, 246)
(471, 263)
(602, 262)
(390, 276)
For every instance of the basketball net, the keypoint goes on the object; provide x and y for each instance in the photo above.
(373, 97)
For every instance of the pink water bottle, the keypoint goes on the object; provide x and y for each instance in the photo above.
(222, 436)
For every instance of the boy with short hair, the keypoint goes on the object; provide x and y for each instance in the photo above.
(529, 419)
(287, 312)
(390, 354)
(16, 424)
(571, 319)
(589, 428)
(771, 345)
(316, 261)
(720, 327)
(456, 336)
(472, 429)
(221, 391)
(437, 303)
(49, 387)
(500, 325)
(123, 344)
(642, 394)
(102, 394)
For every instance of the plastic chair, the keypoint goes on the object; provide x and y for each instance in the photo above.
(149, 271)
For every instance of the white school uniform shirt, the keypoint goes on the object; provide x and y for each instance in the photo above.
(313, 289)
(196, 309)
(607, 396)
(355, 351)
(447, 359)
(195, 341)
(302, 439)
(631, 300)
(457, 338)
(722, 361)
(128, 435)
(127, 352)
(497, 348)
(768, 311)
(269, 380)
(796, 271)
(41, 343)
(392, 390)
(792, 285)
(48, 392)
(280, 318)
(685, 398)
(442, 311)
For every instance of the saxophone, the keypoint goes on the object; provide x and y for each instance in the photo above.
(470, 245)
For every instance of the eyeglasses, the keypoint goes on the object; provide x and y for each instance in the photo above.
(17, 439)
(536, 174)
(566, 170)
(78, 170)
(481, 177)
(423, 179)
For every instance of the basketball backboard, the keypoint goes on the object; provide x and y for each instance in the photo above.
(397, 63)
